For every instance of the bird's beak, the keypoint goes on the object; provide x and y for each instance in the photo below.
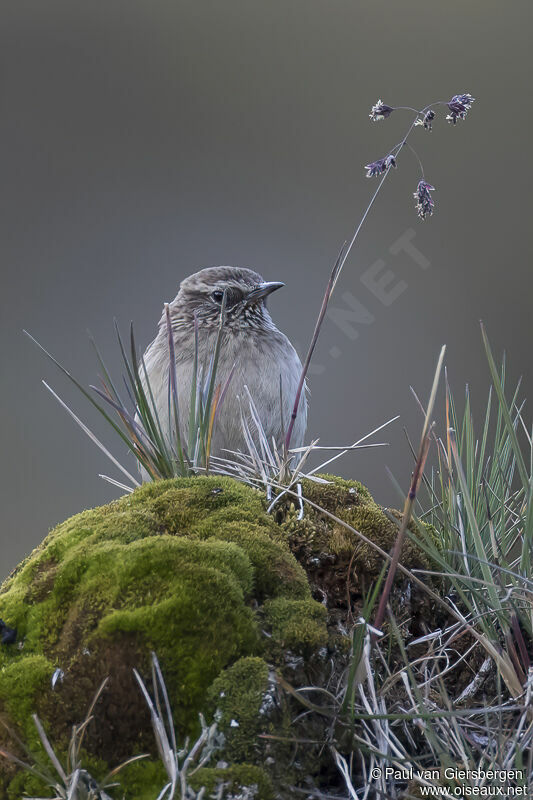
(262, 291)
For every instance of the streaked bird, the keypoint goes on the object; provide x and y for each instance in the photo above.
(251, 345)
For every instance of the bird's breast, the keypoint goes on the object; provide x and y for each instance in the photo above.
(264, 362)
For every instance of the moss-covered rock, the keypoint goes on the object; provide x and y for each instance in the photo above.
(197, 571)
(180, 567)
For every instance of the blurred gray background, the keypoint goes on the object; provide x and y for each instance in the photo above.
(141, 141)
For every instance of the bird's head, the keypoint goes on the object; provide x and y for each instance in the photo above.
(201, 295)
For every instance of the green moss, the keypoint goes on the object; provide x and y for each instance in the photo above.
(226, 510)
(142, 780)
(176, 567)
(183, 503)
(235, 778)
(237, 695)
(26, 785)
(337, 494)
(351, 503)
(195, 570)
(296, 625)
(20, 684)
(197, 630)
(276, 570)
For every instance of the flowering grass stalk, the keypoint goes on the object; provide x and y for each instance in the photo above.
(458, 107)
(136, 419)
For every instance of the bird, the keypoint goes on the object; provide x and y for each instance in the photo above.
(254, 352)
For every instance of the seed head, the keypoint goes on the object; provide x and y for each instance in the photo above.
(459, 105)
(426, 120)
(424, 202)
(380, 166)
(380, 111)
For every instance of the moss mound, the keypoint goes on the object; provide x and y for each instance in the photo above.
(180, 567)
(195, 570)
(338, 561)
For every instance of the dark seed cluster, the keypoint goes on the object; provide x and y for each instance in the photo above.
(380, 166)
(424, 202)
(458, 108)
(426, 120)
(380, 111)
(459, 105)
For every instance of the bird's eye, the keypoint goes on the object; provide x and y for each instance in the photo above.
(218, 296)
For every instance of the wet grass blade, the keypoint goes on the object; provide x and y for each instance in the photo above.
(91, 435)
(174, 389)
(510, 428)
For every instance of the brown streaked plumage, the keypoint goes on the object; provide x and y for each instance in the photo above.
(261, 353)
